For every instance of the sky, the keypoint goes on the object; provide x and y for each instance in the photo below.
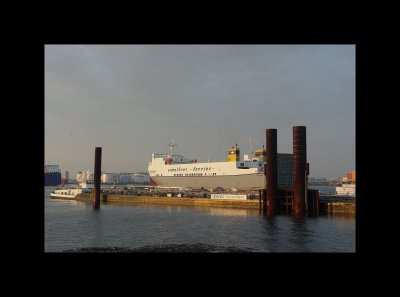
(133, 100)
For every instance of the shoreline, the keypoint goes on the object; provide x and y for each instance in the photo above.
(325, 207)
(228, 203)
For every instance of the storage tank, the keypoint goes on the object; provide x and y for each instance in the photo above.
(138, 178)
(141, 177)
(125, 178)
(107, 178)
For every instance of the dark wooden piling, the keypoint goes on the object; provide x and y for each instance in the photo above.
(299, 169)
(96, 182)
(272, 169)
(313, 202)
(264, 200)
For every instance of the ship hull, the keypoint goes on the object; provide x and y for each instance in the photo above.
(52, 179)
(245, 181)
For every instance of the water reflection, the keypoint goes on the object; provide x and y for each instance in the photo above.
(216, 211)
(341, 216)
(270, 235)
(96, 222)
(299, 238)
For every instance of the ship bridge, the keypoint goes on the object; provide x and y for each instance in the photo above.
(175, 159)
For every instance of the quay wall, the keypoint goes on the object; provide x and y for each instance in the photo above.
(253, 204)
(338, 207)
(329, 207)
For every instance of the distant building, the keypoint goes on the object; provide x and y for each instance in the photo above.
(350, 177)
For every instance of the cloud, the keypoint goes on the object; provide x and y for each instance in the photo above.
(204, 96)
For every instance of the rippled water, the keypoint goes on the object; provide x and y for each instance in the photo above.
(75, 226)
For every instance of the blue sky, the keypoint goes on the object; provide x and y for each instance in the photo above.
(132, 100)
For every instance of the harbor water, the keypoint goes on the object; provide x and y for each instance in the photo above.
(72, 226)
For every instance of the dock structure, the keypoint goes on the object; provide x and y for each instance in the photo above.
(297, 199)
(283, 205)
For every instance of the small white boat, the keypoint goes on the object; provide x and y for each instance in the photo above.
(68, 192)
(348, 190)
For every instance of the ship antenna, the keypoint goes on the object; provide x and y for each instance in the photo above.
(171, 147)
(251, 150)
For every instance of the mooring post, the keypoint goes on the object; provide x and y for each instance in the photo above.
(299, 169)
(97, 173)
(272, 169)
(264, 200)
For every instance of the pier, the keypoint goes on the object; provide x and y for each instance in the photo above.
(229, 203)
(339, 205)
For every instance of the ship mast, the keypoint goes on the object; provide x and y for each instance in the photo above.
(171, 147)
(251, 150)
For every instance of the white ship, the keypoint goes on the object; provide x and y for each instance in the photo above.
(173, 170)
(348, 185)
(346, 190)
(68, 193)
